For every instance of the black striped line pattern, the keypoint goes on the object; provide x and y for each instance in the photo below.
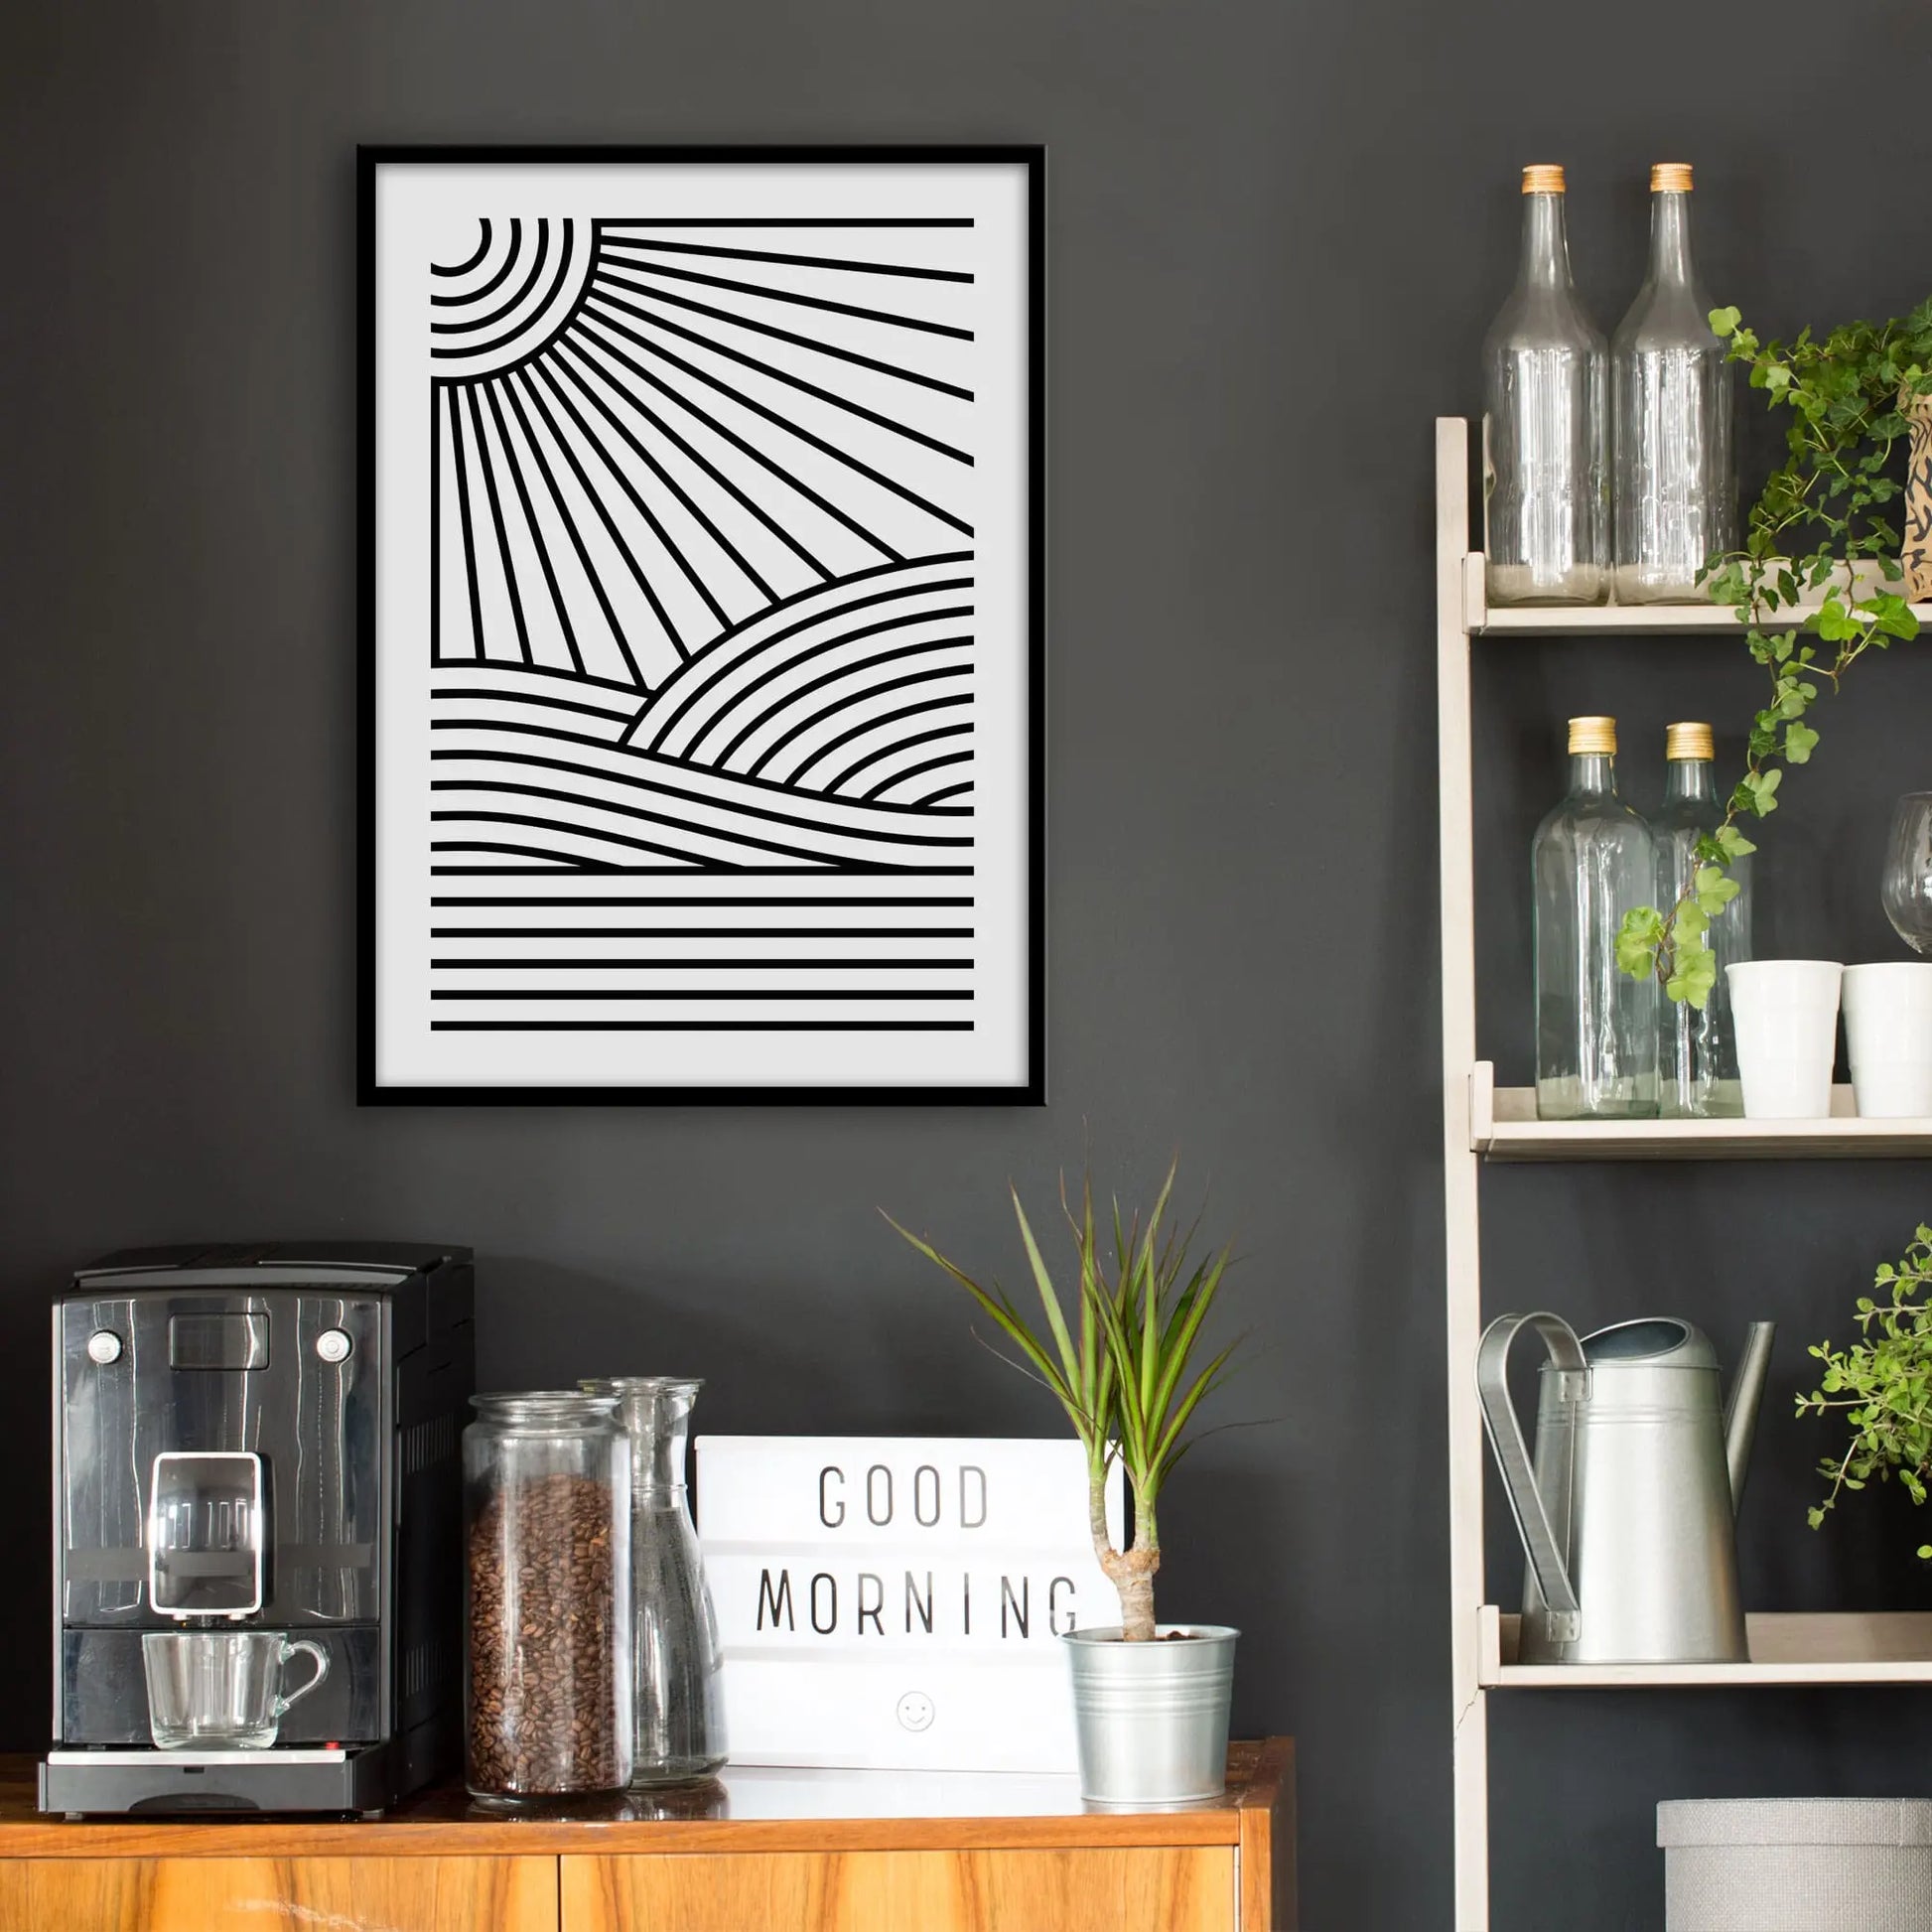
(701, 747)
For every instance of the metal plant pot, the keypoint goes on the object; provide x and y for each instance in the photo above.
(1152, 1717)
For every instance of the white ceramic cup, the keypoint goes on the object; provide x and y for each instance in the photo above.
(1785, 1012)
(1888, 1037)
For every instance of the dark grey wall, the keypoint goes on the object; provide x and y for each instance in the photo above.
(1277, 234)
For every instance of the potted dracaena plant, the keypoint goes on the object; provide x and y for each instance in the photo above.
(1122, 1354)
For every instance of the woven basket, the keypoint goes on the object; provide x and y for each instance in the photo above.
(1796, 1865)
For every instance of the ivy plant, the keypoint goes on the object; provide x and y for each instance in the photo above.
(1883, 1384)
(1846, 393)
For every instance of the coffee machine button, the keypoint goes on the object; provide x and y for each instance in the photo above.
(333, 1345)
(103, 1346)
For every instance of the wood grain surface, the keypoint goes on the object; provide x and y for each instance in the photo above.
(460, 1894)
(1157, 1888)
(442, 1823)
(1267, 1873)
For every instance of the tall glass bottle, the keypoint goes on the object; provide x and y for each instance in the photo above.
(1546, 511)
(676, 1663)
(1595, 1027)
(1676, 480)
(1699, 1071)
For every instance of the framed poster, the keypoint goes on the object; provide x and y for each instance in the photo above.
(702, 659)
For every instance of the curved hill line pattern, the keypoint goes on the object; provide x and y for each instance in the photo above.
(775, 648)
(577, 796)
(486, 752)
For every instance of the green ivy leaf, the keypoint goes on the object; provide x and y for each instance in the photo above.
(1798, 740)
(1638, 940)
(1724, 322)
(1734, 844)
(1892, 614)
(1715, 890)
(1696, 975)
(1833, 622)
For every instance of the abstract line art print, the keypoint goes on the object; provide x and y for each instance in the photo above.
(701, 592)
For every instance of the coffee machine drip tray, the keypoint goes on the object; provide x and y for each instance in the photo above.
(359, 1778)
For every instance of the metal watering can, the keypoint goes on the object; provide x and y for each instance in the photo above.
(1627, 1516)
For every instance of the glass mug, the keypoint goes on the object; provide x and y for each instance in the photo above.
(222, 1690)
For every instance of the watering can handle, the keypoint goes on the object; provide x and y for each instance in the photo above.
(1542, 1543)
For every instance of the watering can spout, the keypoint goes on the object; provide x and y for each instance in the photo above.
(1747, 1398)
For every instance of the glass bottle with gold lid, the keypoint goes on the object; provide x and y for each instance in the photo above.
(1676, 483)
(1698, 1078)
(1591, 862)
(1546, 500)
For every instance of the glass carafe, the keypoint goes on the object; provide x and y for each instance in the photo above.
(1699, 1071)
(677, 1671)
(1907, 889)
(1595, 1025)
(1676, 483)
(1546, 503)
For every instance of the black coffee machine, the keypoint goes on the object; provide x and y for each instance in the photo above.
(260, 1439)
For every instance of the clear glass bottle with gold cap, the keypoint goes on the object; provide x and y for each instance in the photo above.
(1546, 506)
(1595, 1027)
(1699, 1079)
(1672, 397)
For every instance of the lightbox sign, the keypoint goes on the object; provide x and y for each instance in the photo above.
(896, 1603)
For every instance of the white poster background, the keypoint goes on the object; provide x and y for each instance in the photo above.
(427, 212)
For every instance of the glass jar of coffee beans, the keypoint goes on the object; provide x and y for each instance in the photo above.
(546, 1485)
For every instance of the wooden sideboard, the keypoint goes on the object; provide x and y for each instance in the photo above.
(760, 1850)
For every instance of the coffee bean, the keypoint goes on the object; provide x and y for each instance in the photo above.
(543, 1639)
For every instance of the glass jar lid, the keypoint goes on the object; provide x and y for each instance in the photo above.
(621, 1386)
(546, 1409)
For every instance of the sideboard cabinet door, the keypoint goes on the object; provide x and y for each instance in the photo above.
(1129, 1888)
(271, 1894)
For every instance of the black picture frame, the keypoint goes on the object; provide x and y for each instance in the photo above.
(1030, 1090)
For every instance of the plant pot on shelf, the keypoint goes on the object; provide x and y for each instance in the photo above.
(1784, 1013)
(1888, 1037)
(1151, 1719)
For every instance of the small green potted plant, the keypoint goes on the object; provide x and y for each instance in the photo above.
(1883, 1382)
(1120, 1356)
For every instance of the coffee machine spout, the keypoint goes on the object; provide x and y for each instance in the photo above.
(1747, 1398)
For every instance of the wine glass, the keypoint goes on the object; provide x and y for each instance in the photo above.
(1907, 889)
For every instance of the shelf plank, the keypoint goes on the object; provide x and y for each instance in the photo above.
(1503, 1127)
(1486, 620)
(1836, 1647)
